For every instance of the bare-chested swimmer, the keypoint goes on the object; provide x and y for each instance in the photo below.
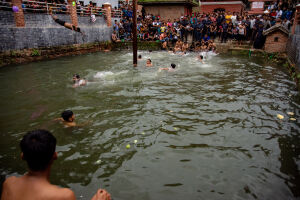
(200, 58)
(68, 119)
(77, 81)
(38, 150)
(149, 63)
(170, 69)
(66, 24)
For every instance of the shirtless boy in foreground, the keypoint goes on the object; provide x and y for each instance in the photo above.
(38, 150)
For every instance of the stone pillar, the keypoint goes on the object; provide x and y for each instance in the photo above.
(19, 16)
(107, 7)
(73, 12)
(296, 19)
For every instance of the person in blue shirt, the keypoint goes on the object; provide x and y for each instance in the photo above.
(206, 38)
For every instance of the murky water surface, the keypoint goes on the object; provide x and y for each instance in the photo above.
(205, 131)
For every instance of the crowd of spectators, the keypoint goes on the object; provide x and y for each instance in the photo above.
(201, 30)
(60, 7)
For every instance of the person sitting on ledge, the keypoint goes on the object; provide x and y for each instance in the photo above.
(38, 150)
(114, 37)
(67, 25)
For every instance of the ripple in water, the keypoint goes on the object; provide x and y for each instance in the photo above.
(205, 131)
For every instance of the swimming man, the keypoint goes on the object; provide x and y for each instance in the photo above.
(170, 69)
(77, 81)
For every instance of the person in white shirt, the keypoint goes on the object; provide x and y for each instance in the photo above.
(233, 18)
(279, 13)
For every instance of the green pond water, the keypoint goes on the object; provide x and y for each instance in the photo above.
(205, 131)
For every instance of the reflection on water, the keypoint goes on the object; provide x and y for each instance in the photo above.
(205, 131)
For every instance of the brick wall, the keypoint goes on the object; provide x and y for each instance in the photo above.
(227, 7)
(165, 11)
(280, 46)
(41, 31)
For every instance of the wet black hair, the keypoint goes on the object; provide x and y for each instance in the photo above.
(201, 56)
(149, 59)
(76, 76)
(66, 115)
(38, 147)
(173, 65)
(140, 56)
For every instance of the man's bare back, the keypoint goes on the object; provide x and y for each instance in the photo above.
(38, 150)
(33, 187)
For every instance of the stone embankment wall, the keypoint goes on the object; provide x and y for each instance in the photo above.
(293, 47)
(42, 31)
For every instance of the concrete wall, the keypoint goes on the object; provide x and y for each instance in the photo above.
(41, 31)
(165, 11)
(280, 46)
(293, 47)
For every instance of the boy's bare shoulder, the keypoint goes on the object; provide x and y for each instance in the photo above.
(10, 181)
(55, 192)
(64, 194)
(15, 185)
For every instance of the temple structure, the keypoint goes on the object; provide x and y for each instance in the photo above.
(169, 9)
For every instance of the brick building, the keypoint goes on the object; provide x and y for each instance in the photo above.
(258, 6)
(168, 9)
(207, 6)
(276, 39)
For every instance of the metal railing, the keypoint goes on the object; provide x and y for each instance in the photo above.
(45, 7)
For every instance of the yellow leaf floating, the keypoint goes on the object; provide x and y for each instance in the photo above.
(128, 146)
(143, 133)
(279, 116)
(175, 129)
(135, 141)
(293, 119)
(290, 113)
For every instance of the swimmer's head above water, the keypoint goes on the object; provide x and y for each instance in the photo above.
(76, 77)
(68, 116)
(140, 57)
(173, 65)
(149, 63)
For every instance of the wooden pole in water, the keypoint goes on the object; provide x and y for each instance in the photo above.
(134, 43)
